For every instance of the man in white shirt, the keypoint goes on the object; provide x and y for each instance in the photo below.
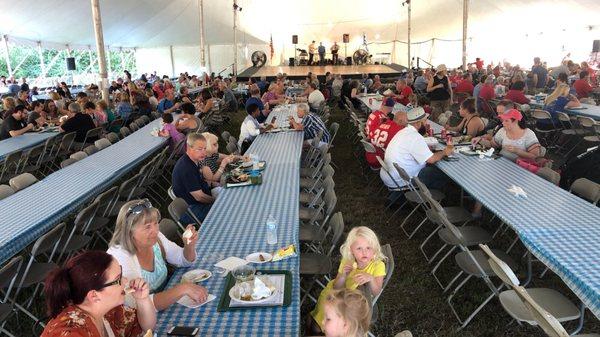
(315, 96)
(409, 150)
(250, 128)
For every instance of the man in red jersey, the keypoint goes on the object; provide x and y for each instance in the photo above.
(383, 134)
(378, 116)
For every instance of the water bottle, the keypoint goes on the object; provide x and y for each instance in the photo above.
(365, 89)
(271, 230)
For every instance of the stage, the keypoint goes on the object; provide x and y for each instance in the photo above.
(300, 72)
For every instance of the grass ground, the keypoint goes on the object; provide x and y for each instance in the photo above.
(412, 300)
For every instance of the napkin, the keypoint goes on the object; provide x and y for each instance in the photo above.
(487, 153)
(231, 263)
(260, 289)
(517, 191)
(154, 132)
(187, 301)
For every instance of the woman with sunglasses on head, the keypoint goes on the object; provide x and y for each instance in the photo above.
(143, 251)
(85, 297)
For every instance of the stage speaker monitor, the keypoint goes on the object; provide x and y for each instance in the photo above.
(346, 38)
(71, 63)
(291, 64)
(348, 61)
(294, 39)
(596, 46)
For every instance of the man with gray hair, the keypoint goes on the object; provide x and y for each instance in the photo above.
(78, 122)
(188, 183)
(311, 125)
(409, 150)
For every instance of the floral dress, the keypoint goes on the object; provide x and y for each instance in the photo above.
(74, 322)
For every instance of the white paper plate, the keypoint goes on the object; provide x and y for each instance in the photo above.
(255, 257)
(234, 293)
(192, 275)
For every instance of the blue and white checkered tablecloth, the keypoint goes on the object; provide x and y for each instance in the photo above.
(23, 142)
(559, 228)
(27, 215)
(236, 226)
(592, 111)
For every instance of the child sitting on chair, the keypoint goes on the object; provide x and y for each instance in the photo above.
(362, 264)
(169, 131)
(347, 313)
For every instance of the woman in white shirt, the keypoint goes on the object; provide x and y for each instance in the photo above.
(143, 251)
(250, 128)
(514, 136)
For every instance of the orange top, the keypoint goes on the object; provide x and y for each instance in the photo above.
(74, 322)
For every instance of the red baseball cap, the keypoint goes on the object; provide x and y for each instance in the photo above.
(512, 113)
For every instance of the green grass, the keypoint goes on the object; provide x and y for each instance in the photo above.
(413, 300)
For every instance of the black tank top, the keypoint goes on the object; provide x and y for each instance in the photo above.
(440, 94)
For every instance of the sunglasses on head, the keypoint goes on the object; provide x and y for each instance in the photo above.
(138, 208)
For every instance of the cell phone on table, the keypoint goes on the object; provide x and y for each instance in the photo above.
(182, 331)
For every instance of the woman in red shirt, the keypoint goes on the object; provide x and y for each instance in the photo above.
(516, 93)
(85, 299)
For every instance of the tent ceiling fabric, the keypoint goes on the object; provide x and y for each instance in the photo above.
(156, 23)
(126, 23)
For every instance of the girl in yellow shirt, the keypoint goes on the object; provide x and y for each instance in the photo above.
(362, 264)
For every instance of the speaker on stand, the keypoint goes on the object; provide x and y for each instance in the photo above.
(346, 39)
(294, 42)
(71, 63)
(71, 67)
(596, 46)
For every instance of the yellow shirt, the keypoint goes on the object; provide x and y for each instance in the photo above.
(375, 268)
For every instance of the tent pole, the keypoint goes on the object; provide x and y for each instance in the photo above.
(464, 37)
(6, 55)
(108, 65)
(408, 44)
(235, 8)
(202, 37)
(122, 59)
(209, 66)
(172, 61)
(41, 55)
(100, 49)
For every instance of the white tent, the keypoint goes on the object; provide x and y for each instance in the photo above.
(515, 30)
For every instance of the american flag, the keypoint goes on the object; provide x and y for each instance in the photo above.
(271, 46)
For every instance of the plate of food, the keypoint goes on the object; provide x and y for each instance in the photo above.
(237, 178)
(259, 257)
(259, 290)
(195, 276)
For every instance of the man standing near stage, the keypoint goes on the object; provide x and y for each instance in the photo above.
(321, 54)
(311, 53)
(334, 53)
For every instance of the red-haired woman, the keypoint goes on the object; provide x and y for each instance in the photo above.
(85, 298)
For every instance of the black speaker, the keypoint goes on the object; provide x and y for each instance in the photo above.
(71, 63)
(294, 39)
(291, 64)
(596, 46)
(346, 38)
(348, 61)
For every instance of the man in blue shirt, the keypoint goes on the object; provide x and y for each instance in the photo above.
(13, 87)
(311, 125)
(255, 99)
(263, 85)
(188, 183)
(168, 104)
(321, 50)
(540, 75)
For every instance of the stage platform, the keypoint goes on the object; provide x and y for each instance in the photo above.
(299, 72)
